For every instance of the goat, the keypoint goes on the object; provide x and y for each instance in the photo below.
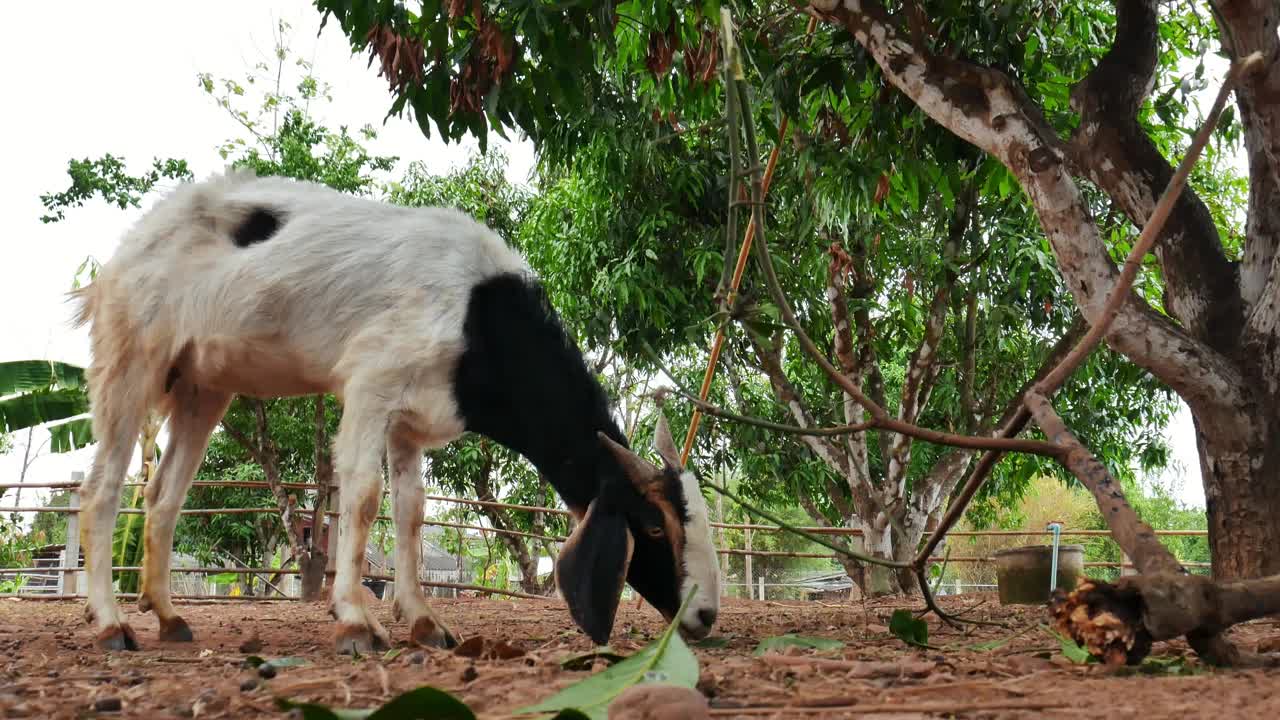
(425, 325)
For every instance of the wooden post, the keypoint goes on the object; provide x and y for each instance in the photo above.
(67, 581)
(747, 562)
(762, 586)
(1125, 563)
(331, 539)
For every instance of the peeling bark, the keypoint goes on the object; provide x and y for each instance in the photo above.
(1116, 154)
(985, 107)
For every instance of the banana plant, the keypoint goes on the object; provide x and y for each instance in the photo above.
(127, 540)
(43, 392)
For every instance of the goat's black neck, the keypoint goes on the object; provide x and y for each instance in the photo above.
(522, 382)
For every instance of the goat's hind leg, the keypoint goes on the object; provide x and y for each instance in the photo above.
(404, 458)
(196, 411)
(116, 422)
(359, 448)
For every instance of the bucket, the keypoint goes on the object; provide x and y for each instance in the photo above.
(1022, 574)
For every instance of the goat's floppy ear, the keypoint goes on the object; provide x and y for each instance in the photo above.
(592, 569)
(665, 444)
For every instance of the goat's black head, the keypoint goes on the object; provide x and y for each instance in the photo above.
(648, 528)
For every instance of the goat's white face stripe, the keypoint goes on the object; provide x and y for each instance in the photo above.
(702, 567)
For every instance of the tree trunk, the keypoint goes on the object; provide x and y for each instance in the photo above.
(877, 580)
(1240, 467)
(312, 564)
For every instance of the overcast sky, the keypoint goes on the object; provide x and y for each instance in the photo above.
(120, 78)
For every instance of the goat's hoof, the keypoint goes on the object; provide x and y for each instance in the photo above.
(117, 637)
(359, 640)
(175, 629)
(429, 633)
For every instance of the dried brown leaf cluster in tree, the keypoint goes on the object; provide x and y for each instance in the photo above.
(702, 62)
(491, 58)
(832, 128)
(662, 48)
(402, 58)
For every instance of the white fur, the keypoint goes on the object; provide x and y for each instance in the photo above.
(351, 296)
(701, 563)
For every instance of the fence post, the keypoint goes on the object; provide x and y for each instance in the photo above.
(331, 539)
(762, 586)
(1125, 562)
(751, 589)
(67, 580)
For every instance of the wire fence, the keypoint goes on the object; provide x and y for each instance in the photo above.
(67, 572)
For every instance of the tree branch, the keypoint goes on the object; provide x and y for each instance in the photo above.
(717, 411)
(922, 366)
(1118, 294)
(1119, 622)
(1117, 154)
(1012, 422)
(984, 107)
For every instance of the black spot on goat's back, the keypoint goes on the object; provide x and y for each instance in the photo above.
(257, 226)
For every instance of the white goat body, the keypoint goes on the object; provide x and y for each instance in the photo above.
(329, 293)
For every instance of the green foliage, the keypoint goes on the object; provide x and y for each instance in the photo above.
(107, 177)
(1158, 506)
(424, 703)
(42, 392)
(666, 660)
(908, 628)
(50, 528)
(780, 642)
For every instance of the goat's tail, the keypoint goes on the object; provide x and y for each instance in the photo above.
(85, 300)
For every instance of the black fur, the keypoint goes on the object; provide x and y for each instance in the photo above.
(260, 224)
(590, 571)
(522, 382)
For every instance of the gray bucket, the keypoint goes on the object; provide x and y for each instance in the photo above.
(1022, 573)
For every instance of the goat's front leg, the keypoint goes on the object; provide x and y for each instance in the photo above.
(196, 412)
(404, 458)
(361, 438)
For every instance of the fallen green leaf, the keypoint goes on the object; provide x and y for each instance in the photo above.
(908, 628)
(392, 654)
(719, 641)
(667, 660)
(792, 640)
(424, 703)
(1175, 665)
(1072, 650)
(584, 661)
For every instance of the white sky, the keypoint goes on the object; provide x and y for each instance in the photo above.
(120, 78)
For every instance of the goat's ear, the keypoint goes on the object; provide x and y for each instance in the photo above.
(592, 569)
(665, 444)
(638, 470)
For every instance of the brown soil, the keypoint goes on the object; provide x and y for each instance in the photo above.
(52, 670)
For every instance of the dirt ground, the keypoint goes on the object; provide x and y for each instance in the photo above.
(50, 669)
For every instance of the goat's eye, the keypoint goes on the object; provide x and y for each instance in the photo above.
(654, 532)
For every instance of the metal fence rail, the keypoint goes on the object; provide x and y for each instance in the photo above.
(67, 572)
